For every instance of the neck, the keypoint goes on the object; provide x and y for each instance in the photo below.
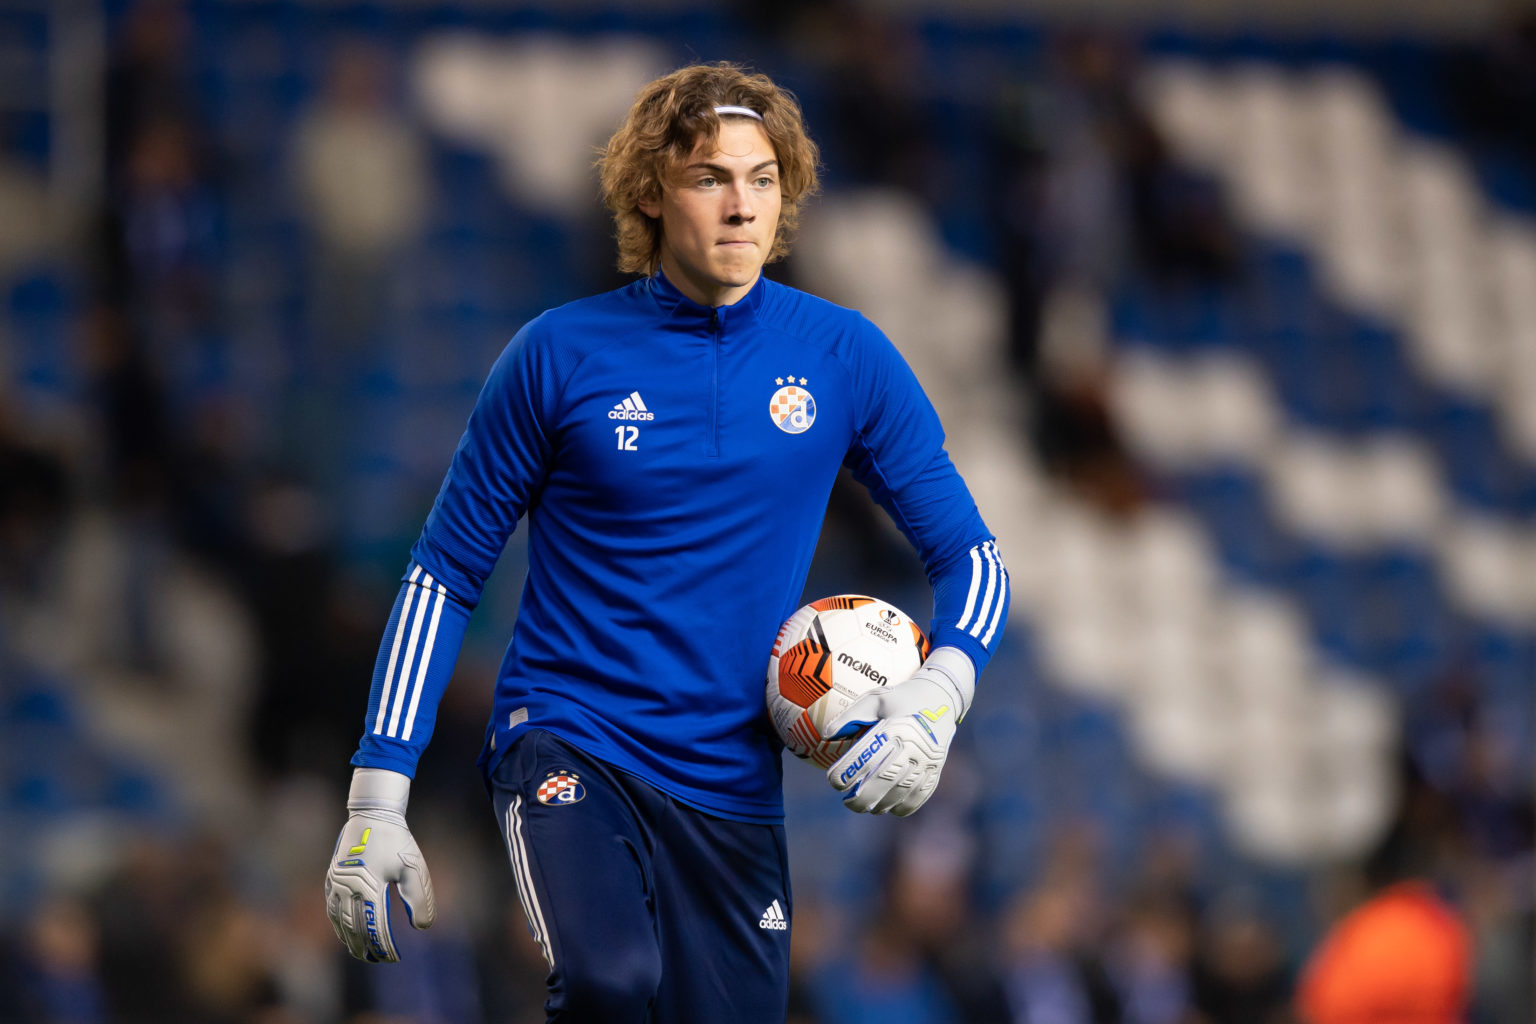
(706, 293)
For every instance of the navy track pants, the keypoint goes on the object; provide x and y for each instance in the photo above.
(646, 909)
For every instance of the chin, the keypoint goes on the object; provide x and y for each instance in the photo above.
(737, 275)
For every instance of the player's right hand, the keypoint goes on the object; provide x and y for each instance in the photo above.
(376, 849)
(907, 729)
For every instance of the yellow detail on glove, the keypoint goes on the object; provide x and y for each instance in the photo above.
(364, 841)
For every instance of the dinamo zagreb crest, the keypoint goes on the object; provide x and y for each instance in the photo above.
(792, 409)
(560, 788)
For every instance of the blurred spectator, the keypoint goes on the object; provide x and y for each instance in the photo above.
(227, 974)
(143, 915)
(25, 212)
(165, 235)
(929, 896)
(1079, 442)
(147, 80)
(1090, 116)
(1018, 158)
(139, 462)
(1469, 800)
(1459, 749)
(1182, 229)
(35, 498)
(1149, 960)
(318, 636)
(1054, 149)
(1114, 176)
(178, 943)
(1401, 958)
(158, 239)
(1404, 954)
(873, 70)
(1089, 189)
(1072, 426)
(882, 978)
(1498, 904)
(124, 385)
(811, 942)
(1492, 84)
(57, 971)
(361, 172)
(1054, 975)
(1240, 974)
(923, 956)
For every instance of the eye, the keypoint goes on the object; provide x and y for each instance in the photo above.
(707, 181)
(765, 182)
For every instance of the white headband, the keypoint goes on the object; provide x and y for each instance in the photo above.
(742, 111)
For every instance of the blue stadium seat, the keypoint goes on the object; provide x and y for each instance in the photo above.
(1391, 398)
(1232, 503)
(40, 306)
(1478, 469)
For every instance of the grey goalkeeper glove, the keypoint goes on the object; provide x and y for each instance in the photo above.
(375, 849)
(895, 766)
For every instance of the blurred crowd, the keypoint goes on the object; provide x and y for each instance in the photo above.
(167, 549)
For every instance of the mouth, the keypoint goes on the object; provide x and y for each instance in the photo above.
(735, 243)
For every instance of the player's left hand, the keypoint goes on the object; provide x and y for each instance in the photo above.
(907, 730)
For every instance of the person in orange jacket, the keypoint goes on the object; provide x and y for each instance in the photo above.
(1404, 956)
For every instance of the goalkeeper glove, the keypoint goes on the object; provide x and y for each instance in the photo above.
(895, 766)
(376, 848)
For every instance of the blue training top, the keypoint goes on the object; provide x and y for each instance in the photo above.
(674, 461)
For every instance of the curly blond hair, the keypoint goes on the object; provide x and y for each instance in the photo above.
(669, 119)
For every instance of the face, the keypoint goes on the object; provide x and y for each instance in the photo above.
(719, 214)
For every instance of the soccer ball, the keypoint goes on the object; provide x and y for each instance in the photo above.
(827, 655)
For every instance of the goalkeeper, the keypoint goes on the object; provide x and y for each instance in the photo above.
(672, 444)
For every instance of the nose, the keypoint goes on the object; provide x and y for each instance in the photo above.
(738, 207)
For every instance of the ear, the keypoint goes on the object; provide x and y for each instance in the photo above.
(650, 205)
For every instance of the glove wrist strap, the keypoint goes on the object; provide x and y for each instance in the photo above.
(953, 669)
(378, 789)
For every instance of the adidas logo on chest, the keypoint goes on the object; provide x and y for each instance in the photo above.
(632, 408)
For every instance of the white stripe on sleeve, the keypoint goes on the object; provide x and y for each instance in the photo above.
(997, 612)
(410, 652)
(426, 659)
(394, 651)
(986, 602)
(970, 598)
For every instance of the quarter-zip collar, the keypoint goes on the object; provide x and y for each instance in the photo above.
(674, 305)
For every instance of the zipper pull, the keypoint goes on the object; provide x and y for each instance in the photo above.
(714, 318)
